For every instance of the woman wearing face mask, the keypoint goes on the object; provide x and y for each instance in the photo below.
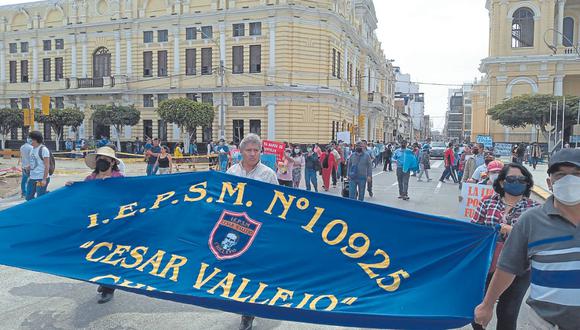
(298, 165)
(328, 163)
(104, 164)
(285, 168)
(512, 188)
(311, 167)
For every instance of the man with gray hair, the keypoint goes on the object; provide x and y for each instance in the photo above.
(250, 167)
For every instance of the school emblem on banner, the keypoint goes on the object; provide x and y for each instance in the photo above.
(233, 235)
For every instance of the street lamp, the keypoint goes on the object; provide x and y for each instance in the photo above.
(554, 48)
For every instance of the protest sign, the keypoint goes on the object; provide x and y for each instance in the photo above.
(472, 194)
(343, 136)
(503, 149)
(274, 148)
(486, 140)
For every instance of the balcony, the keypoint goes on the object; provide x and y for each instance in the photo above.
(102, 82)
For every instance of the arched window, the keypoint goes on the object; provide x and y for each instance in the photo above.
(568, 32)
(101, 63)
(523, 28)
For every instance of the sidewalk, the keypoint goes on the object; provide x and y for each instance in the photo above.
(540, 175)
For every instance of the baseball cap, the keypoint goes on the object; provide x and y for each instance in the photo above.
(495, 166)
(564, 156)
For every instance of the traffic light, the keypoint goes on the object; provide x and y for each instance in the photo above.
(45, 100)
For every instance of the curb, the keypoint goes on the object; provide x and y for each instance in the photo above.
(541, 192)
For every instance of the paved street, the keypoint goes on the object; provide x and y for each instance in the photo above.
(31, 300)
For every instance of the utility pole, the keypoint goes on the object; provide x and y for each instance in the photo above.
(222, 73)
(359, 109)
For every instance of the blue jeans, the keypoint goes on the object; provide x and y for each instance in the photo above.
(356, 189)
(24, 182)
(32, 189)
(310, 176)
(151, 169)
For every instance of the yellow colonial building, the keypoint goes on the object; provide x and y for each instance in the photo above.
(290, 68)
(532, 49)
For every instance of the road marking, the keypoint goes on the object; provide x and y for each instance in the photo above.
(438, 187)
(378, 173)
(395, 184)
(437, 164)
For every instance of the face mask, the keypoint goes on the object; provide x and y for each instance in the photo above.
(515, 188)
(475, 152)
(103, 165)
(566, 190)
(296, 151)
(493, 177)
(359, 149)
(309, 149)
(29, 140)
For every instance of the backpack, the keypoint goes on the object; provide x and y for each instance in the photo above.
(52, 162)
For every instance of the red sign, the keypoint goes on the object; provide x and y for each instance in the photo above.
(274, 148)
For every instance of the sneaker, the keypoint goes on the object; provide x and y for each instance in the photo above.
(371, 193)
(419, 180)
(406, 198)
(400, 197)
(246, 323)
(442, 181)
(429, 180)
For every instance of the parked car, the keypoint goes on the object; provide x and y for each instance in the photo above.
(438, 149)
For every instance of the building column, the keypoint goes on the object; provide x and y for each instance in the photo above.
(2, 62)
(272, 57)
(561, 5)
(129, 59)
(73, 43)
(222, 28)
(34, 45)
(117, 53)
(559, 86)
(271, 120)
(176, 62)
(84, 56)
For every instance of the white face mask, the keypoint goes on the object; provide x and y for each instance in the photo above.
(493, 177)
(566, 190)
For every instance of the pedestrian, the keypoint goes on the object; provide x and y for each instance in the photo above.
(337, 160)
(406, 162)
(68, 146)
(152, 151)
(104, 164)
(544, 240)
(511, 198)
(223, 155)
(360, 171)
(341, 165)
(39, 167)
(164, 162)
(481, 170)
(388, 154)
(424, 163)
(25, 150)
(120, 163)
(370, 153)
(456, 160)
(416, 152)
(535, 154)
(311, 167)
(285, 168)
(137, 146)
(449, 158)
(328, 163)
(520, 153)
(492, 173)
(250, 167)
(298, 162)
(470, 163)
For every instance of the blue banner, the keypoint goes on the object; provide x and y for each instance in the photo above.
(247, 247)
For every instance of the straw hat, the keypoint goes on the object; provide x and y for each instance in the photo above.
(91, 159)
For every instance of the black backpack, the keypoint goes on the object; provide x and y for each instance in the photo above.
(52, 161)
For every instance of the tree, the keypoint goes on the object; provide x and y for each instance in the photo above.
(117, 116)
(525, 110)
(187, 115)
(10, 119)
(58, 119)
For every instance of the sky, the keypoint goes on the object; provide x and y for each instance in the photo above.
(438, 42)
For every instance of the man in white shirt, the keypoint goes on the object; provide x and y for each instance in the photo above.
(250, 167)
(38, 167)
(25, 150)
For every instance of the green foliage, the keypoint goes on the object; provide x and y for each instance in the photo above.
(116, 115)
(10, 119)
(187, 114)
(59, 118)
(525, 110)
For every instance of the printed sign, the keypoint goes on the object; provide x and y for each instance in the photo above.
(486, 140)
(343, 136)
(472, 194)
(274, 148)
(503, 149)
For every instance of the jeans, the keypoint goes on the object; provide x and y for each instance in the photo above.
(310, 176)
(356, 189)
(508, 306)
(151, 169)
(32, 189)
(423, 170)
(535, 161)
(403, 180)
(24, 182)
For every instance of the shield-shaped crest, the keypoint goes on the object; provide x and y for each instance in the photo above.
(232, 235)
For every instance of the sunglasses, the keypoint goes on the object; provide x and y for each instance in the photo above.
(516, 179)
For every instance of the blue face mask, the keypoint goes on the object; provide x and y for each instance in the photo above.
(515, 188)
